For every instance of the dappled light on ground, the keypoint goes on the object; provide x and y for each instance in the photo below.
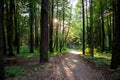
(69, 66)
(74, 68)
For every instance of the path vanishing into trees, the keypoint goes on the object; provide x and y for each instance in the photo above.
(70, 66)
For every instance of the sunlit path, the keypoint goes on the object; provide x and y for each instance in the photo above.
(75, 51)
(72, 67)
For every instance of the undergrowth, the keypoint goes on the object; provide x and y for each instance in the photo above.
(14, 71)
(102, 59)
(116, 74)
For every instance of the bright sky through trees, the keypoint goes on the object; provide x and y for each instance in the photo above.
(73, 2)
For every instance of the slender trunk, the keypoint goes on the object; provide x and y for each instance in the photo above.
(51, 29)
(87, 28)
(83, 27)
(4, 34)
(103, 30)
(31, 27)
(36, 31)
(57, 27)
(36, 27)
(91, 30)
(17, 31)
(2, 76)
(109, 33)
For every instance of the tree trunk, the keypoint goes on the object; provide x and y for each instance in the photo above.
(17, 30)
(102, 26)
(115, 62)
(83, 15)
(31, 28)
(4, 37)
(87, 28)
(10, 28)
(2, 77)
(44, 31)
(51, 49)
(91, 30)
(57, 27)
(110, 34)
(36, 31)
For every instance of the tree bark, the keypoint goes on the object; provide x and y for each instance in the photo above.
(91, 30)
(102, 26)
(36, 31)
(83, 15)
(31, 27)
(57, 27)
(115, 62)
(17, 29)
(1, 40)
(10, 28)
(51, 49)
(44, 32)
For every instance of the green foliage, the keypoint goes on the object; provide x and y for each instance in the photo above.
(102, 59)
(25, 52)
(29, 55)
(116, 74)
(14, 71)
(87, 50)
(24, 49)
(64, 51)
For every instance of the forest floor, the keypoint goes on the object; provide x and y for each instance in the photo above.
(69, 66)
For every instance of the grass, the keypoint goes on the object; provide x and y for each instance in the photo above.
(29, 55)
(24, 52)
(102, 59)
(14, 71)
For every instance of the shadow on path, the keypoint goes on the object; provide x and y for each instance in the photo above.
(72, 67)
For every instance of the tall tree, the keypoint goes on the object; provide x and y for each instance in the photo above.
(36, 29)
(83, 15)
(87, 28)
(102, 26)
(10, 28)
(44, 31)
(91, 30)
(57, 28)
(115, 63)
(31, 26)
(4, 35)
(17, 28)
(1, 40)
(51, 49)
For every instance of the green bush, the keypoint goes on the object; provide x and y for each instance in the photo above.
(102, 59)
(24, 49)
(14, 71)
